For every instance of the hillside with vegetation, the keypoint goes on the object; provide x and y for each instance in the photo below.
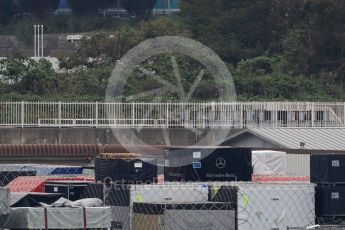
(274, 49)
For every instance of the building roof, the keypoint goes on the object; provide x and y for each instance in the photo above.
(291, 138)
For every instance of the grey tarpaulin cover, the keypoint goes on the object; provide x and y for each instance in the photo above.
(88, 202)
(4, 201)
(58, 218)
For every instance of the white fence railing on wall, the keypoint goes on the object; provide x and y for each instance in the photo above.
(172, 114)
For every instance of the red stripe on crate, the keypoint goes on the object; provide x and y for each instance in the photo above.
(279, 178)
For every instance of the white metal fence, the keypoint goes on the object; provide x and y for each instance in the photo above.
(172, 114)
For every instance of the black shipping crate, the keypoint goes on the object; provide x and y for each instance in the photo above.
(208, 164)
(71, 190)
(126, 171)
(330, 200)
(327, 168)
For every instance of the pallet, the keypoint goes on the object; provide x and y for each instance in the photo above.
(124, 156)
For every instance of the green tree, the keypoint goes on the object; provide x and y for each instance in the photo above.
(139, 8)
(40, 79)
(102, 49)
(164, 26)
(241, 29)
(84, 7)
(27, 76)
(13, 69)
(38, 7)
(7, 10)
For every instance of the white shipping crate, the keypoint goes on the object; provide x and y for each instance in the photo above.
(268, 162)
(275, 206)
(174, 192)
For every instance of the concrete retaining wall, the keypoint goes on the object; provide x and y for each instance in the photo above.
(178, 136)
(54, 46)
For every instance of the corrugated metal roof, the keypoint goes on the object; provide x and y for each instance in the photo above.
(314, 138)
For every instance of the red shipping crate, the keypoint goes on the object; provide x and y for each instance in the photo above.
(37, 183)
(27, 184)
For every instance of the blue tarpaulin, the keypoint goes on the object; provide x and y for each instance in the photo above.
(43, 170)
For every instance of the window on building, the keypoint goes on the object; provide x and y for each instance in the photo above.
(319, 115)
(267, 115)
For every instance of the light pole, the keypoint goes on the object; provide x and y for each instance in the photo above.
(38, 41)
(42, 47)
(35, 49)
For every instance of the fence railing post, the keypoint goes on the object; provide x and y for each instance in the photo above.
(312, 114)
(167, 116)
(133, 114)
(196, 114)
(276, 113)
(241, 115)
(22, 114)
(96, 111)
(344, 114)
(59, 113)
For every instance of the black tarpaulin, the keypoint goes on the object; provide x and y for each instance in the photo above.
(20, 199)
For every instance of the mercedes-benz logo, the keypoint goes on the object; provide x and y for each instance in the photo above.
(220, 163)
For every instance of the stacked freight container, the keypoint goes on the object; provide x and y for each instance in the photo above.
(190, 164)
(328, 172)
(208, 164)
(213, 205)
(123, 198)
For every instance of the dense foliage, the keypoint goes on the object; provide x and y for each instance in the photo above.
(275, 50)
(38, 7)
(7, 10)
(84, 7)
